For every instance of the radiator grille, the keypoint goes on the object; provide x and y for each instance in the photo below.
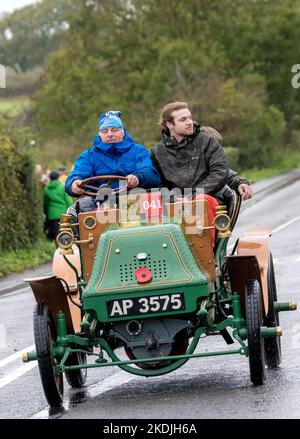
(158, 268)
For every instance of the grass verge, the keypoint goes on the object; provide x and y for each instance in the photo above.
(12, 107)
(18, 260)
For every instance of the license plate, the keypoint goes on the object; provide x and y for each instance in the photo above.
(145, 305)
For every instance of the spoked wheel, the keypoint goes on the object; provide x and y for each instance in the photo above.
(77, 377)
(255, 339)
(44, 335)
(272, 344)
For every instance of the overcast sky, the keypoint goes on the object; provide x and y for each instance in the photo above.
(11, 5)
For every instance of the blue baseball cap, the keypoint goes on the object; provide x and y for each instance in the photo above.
(110, 119)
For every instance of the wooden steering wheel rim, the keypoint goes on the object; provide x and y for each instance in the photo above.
(98, 178)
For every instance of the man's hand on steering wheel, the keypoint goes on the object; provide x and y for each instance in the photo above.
(75, 188)
(83, 187)
(132, 181)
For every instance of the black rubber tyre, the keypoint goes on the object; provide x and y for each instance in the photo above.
(44, 335)
(272, 344)
(76, 378)
(255, 339)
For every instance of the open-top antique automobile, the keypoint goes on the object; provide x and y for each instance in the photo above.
(138, 290)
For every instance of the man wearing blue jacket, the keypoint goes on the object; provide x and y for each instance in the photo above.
(114, 152)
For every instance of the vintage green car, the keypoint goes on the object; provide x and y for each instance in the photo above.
(145, 282)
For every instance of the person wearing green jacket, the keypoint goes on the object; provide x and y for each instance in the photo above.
(56, 202)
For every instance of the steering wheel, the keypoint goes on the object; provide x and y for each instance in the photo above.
(85, 184)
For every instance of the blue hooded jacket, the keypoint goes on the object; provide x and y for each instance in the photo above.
(122, 158)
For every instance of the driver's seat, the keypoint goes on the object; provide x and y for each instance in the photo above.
(233, 201)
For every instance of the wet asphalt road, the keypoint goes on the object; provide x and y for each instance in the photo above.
(204, 388)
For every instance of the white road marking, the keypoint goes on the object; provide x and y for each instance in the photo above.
(115, 380)
(111, 382)
(283, 226)
(17, 373)
(15, 292)
(287, 260)
(16, 356)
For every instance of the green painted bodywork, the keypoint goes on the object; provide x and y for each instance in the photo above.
(63, 348)
(282, 306)
(169, 259)
(174, 270)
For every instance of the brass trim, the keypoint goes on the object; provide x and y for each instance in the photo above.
(65, 246)
(221, 208)
(86, 241)
(90, 227)
(65, 219)
(225, 234)
(293, 306)
(141, 286)
(222, 229)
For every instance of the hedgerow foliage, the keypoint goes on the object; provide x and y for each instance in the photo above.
(231, 61)
(21, 212)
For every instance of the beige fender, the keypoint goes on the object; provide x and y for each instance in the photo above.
(52, 291)
(253, 243)
(60, 267)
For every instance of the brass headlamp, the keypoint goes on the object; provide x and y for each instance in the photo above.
(65, 238)
(222, 222)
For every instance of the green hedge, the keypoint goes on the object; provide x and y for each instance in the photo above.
(232, 155)
(21, 212)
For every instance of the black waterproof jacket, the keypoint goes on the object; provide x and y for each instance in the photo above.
(198, 161)
(234, 180)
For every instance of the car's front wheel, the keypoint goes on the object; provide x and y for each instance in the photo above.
(44, 335)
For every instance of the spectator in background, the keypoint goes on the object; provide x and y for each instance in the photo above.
(38, 169)
(56, 202)
(42, 175)
(45, 177)
(62, 174)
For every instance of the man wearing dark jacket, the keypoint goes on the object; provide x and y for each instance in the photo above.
(191, 157)
(191, 160)
(186, 157)
(234, 181)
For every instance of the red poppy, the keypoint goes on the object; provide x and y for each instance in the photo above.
(143, 275)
